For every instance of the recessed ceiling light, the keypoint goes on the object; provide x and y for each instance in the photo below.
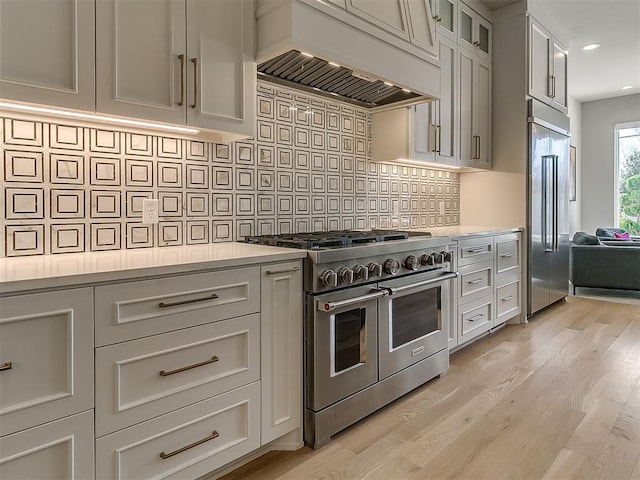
(590, 46)
(627, 87)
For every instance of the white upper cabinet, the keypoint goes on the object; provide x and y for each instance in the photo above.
(141, 64)
(445, 108)
(47, 52)
(445, 13)
(181, 63)
(547, 67)
(474, 32)
(421, 25)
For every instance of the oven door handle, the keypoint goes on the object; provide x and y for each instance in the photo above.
(444, 276)
(331, 306)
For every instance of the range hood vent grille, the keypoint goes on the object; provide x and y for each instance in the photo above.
(298, 70)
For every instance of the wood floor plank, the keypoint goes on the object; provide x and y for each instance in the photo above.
(557, 398)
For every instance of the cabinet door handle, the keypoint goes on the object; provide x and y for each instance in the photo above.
(474, 282)
(278, 272)
(434, 138)
(476, 43)
(213, 359)
(438, 138)
(476, 147)
(475, 250)
(553, 84)
(213, 296)
(6, 366)
(476, 317)
(506, 255)
(506, 299)
(181, 58)
(195, 82)
(437, 18)
(164, 456)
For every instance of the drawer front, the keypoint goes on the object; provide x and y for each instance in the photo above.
(475, 318)
(61, 450)
(138, 309)
(141, 379)
(507, 301)
(46, 354)
(507, 255)
(193, 440)
(474, 250)
(475, 281)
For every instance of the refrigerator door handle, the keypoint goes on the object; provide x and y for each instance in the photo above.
(556, 205)
(548, 203)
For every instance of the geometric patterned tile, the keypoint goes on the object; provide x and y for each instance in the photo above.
(67, 238)
(170, 147)
(169, 174)
(105, 236)
(67, 204)
(197, 151)
(138, 173)
(104, 141)
(197, 204)
(104, 171)
(139, 235)
(22, 132)
(197, 176)
(67, 168)
(169, 233)
(24, 203)
(23, 166)
(222, 230)
(197, 231)
(24, 240)
(136, 144)
(66, 137)
(105, 204)
(134, 202)
(170, 204)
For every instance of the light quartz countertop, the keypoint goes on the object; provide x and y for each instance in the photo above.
(19, 274)
(462, 231)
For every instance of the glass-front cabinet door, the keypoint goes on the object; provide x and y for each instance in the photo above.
(445, 14)
(475, 32)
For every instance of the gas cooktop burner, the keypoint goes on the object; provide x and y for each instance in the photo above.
(332, 239)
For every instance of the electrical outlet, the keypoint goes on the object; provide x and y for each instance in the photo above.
(149, 210)
(441, 207)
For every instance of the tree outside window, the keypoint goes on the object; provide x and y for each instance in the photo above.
(628, 152)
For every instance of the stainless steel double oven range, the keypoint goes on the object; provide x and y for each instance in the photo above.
(377, 307)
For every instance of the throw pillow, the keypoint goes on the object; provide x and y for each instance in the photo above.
(620, 235)
(583, 238)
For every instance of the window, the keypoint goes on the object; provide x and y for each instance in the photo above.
(628, 177)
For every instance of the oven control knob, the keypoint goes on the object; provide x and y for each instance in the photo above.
(412, 262)
(361, 272)
(328, 278)
(375, 269)
(439, 257)
(428, 259)
(446, 256)
(391, 266)
(345, 275)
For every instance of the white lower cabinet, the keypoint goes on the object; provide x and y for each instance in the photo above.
(186, 443)
(46, 357)
(281, 352)
(62, 449)
(144, 378)
(489, 285)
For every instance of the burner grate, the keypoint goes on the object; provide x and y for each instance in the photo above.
(331, 239)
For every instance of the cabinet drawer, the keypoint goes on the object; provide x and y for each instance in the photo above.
(507, 301)
(193, 440)
(475, 318)
(141, 379)
(138, 309)
(475, 281)
(61, 450)
(474, 250)
(46, 350)
(507, 254)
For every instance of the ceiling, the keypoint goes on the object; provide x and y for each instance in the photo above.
(614, 24)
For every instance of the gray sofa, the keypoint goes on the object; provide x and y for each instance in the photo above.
(598, 264)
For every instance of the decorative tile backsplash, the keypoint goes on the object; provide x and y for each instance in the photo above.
(69, 188)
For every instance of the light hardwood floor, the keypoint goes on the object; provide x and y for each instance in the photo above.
(558, 398)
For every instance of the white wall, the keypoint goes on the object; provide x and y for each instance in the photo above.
(597, 179)
(575, 114)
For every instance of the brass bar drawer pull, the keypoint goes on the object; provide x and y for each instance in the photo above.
(164, 456)
(181, 58)
(6, 366)
(506, 255)
(213, 359)
(213, 296)
(506, 299)
(195, 82)
(476, 317)
(475, 250)
(278, 272)
(473, 282)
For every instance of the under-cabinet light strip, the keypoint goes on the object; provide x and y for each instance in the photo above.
(95, 117)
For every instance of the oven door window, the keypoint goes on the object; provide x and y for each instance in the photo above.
(348, 340)
(415, 316)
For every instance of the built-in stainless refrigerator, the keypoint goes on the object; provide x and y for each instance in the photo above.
(548, 207)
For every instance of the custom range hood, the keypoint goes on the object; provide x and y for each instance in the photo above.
(301, 44)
